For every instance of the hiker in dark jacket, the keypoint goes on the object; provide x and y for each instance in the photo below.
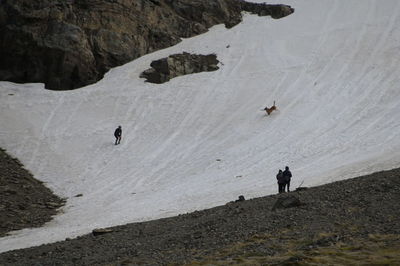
(287, 176)
(118, 135)
(281, 181)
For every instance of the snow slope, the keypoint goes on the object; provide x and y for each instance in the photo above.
(198, 141)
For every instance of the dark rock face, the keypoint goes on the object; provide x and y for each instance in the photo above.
(178, 65)
(68, 44)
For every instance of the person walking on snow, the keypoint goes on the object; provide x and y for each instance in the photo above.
(118, 134)
(281, 181)
(287, 176)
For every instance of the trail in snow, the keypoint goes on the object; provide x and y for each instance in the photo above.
(201, 140)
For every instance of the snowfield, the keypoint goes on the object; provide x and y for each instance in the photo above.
(198, 141)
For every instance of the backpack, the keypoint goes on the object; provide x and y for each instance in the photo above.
(287, 175)
(280, 178)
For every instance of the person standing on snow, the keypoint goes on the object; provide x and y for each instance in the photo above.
(281, 181)
(287, 176)
(118, 134)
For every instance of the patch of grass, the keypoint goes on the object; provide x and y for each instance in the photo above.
(366, 254)
(373, 250)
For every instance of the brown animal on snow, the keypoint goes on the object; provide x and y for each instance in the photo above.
(269, 110)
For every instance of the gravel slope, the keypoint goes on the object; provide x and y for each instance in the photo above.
(24, 201)
(361, 212)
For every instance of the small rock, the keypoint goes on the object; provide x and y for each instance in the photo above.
(52, 205)
(101, 231)
(10, 192)
(241, 198)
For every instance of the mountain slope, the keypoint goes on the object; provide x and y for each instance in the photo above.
(343, 223)
(201, 140)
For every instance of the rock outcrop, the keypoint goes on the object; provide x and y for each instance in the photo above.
(275, 11)
(175, 65)
(68, 44)
(24, 201)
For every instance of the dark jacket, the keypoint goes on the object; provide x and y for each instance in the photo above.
(118, 132)
(280, 177)
(287, 175)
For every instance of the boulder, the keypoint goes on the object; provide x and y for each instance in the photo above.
(263, 9)
(241, 198)
(101, 231)
(287, 202)
(178, 65)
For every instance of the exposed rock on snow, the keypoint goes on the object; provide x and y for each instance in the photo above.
(275, 11)
(178, 65)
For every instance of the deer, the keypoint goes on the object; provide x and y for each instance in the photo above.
(269, 110)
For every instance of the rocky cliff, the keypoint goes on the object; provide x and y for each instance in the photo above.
(67, 44)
